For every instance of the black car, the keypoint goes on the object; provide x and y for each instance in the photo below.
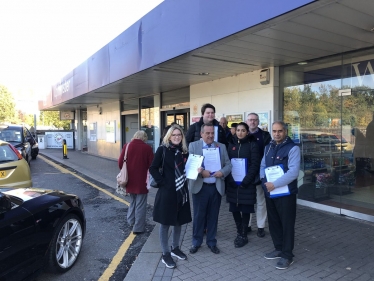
(39, 228)
(20, 137)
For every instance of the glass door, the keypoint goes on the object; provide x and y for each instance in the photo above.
(180, 117)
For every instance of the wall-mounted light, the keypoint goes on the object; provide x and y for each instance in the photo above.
(302, 63)
(100, 110)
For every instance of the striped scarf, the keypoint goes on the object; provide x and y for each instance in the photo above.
(180, 174)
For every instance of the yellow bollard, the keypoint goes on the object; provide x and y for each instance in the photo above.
(64, 149)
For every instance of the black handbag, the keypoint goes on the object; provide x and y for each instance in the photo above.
(152, 181)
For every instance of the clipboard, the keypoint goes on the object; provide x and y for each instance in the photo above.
(212, 159)
(239, 169)
(272, 174)
(194, 162)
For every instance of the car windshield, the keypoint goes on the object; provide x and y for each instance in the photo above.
(7, 154)
(11, 135)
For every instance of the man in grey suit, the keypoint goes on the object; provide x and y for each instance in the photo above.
(207, 191)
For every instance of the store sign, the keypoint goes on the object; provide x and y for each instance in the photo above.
(63, 87)
(66, 115)
(56, 139)
(361, 75)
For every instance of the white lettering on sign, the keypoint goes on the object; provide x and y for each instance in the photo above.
(360, 77)
(64, 87)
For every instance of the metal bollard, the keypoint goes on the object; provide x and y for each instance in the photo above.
(64, 149)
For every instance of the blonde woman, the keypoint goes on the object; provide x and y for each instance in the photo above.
(172, 204)
(139, 158)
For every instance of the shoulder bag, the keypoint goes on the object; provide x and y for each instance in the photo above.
(151, 181)
(123, 177)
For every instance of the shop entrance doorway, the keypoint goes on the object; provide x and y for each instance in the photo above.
(180, 117)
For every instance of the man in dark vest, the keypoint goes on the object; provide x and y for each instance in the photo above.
(263, 138)
(283, 153)
(208, 113)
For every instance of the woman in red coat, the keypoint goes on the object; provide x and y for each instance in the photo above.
(139, 159)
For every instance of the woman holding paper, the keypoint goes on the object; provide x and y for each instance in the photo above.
(172, 204)
(241, 183)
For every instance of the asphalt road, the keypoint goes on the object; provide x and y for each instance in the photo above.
(107, 229)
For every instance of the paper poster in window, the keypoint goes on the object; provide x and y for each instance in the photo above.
(234, 118)
(110, 131)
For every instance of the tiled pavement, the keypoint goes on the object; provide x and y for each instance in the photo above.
(327, 246)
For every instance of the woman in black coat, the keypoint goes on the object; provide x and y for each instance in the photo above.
(172, 204)
(241, 194)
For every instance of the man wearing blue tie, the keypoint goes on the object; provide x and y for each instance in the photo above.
(207, 191)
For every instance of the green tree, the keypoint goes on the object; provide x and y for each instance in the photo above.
(52, 118)
(7, 105)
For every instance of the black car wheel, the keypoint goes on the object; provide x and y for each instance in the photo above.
(66, 244)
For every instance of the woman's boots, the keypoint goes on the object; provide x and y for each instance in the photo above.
(242, 235)
(238, 232)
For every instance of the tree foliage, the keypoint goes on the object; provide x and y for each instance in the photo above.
(7, 105)
(325, 108)
(52, 118)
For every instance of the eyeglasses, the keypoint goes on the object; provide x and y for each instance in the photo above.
(176, 135)
(252, 120)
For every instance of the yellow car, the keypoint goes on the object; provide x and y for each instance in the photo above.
(14, 170)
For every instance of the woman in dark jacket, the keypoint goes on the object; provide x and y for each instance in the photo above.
(241, 194)
(172, 204)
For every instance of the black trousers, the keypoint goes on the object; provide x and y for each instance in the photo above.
(206, 206)
(281, 218)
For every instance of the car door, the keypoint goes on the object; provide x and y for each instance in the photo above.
(17, 244)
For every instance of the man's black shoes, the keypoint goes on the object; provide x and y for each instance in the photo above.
(260, 232)
(194, 249)
(284, 263)
(214, 249)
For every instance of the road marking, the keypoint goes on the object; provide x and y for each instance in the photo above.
(117, 258)
(125, 245)
(66, 171)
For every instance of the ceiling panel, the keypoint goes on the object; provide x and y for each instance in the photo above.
(322, 35)
(303, 40)
(260, 50)
(336, 27)
(278, 44)
(349, 16)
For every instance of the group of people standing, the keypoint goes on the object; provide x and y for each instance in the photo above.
(172, 206)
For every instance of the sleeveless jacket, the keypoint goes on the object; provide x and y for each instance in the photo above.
(278, 154)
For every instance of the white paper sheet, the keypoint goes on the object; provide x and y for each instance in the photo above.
(272, 174)
(193, 163)
(212, 160)
(239, 169)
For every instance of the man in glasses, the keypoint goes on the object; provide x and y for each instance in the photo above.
(263, 138)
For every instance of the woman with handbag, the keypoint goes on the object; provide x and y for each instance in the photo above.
(241, 192)
(139, 158)
(172, 204)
